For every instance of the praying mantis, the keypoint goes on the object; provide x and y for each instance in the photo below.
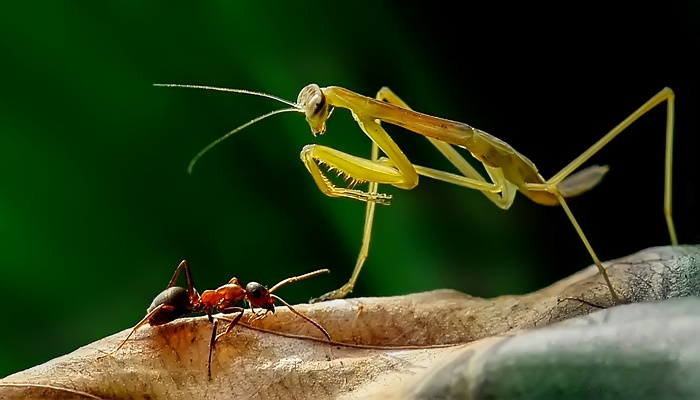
(508, 170)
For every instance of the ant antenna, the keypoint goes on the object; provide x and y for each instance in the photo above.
(294, 107)
(289, 306)
(314, 323)
(299, 278)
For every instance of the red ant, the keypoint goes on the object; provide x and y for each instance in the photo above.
(175, 302)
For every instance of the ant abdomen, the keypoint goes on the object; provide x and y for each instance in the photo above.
(175, 303)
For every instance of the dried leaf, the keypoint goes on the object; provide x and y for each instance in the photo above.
(393, 347)
(637, 351)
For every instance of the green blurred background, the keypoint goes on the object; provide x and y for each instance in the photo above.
(97, 208)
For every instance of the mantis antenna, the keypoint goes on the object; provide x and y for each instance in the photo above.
(295, 107)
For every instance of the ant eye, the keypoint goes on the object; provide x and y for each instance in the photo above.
(255, 290)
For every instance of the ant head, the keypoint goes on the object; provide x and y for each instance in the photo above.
(316, 109)
(259, 296)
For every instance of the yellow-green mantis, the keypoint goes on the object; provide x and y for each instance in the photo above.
(508, 170)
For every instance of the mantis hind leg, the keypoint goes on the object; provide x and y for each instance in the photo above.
(552, 185)
(666, 94)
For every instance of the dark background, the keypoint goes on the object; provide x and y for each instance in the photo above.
(97, 209)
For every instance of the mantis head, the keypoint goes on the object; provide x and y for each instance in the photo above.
(313, 103)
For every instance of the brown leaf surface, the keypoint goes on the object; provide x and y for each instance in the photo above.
(379, 343)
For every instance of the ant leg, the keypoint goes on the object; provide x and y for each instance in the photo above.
(232, 322)
(212, 340)
(176, 275)
(292, 309)
(141, 323)
(214, 337)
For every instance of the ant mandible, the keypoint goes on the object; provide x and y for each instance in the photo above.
(175, 302)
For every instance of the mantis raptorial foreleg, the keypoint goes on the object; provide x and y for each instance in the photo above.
(397, 170)
(400, 173)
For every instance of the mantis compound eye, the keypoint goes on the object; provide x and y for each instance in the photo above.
(317, 103)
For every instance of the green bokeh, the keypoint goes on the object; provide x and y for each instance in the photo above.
(98, 209)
